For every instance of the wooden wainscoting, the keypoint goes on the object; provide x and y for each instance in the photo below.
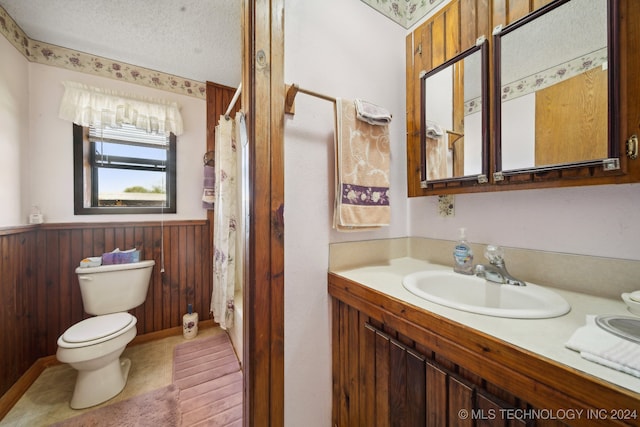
(18, 293)
(39, 291)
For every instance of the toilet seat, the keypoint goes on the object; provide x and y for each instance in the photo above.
(95, 330)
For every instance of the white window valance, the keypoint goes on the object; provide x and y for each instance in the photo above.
(91, 106)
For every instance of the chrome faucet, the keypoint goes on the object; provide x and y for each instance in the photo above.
(496, 271)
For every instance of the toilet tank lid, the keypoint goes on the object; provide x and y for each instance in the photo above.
(115, 267)
(97, 327)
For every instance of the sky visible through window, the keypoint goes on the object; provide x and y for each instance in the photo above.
(117, 180)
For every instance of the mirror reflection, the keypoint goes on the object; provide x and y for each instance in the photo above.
(454, 117)
(554, 100)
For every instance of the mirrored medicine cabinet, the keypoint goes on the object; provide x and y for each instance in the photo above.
(556, 89)
(536, 105)
(455, 119)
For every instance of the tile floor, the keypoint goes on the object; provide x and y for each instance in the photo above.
(47, 400)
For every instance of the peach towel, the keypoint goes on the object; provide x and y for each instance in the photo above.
(362, 171)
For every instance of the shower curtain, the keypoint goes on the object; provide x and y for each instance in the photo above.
(228, 135)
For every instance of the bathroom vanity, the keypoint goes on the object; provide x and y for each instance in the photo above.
(401, 360)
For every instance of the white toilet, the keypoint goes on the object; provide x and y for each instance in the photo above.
(94, 345)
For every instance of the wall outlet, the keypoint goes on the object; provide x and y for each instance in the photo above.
(446, 206)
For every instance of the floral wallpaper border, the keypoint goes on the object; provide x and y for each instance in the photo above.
(44, 53)
(404, 12)
(473, 106)
(555, 74)
(545, 78)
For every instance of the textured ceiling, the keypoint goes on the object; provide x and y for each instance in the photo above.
(195, 39)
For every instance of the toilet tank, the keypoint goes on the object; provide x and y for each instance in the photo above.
(114, 288)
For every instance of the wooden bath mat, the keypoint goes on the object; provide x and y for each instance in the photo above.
(207, 373)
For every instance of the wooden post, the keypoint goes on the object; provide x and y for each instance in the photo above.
(263, 95)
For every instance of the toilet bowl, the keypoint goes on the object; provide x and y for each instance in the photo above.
(93, 346)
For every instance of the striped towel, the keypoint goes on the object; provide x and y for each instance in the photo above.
(600, 346)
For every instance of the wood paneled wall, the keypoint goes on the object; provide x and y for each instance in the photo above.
(40, 296)
(19, 334)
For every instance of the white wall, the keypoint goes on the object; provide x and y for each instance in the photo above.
(36, 161)
(14, 133)
(51, 154)
(595, 220)
(518, 127)
(342, 49)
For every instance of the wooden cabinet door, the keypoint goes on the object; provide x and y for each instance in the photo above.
(381, 378)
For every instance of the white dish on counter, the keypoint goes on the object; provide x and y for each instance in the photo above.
(632, 305)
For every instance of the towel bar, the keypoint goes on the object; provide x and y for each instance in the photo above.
(291, 92)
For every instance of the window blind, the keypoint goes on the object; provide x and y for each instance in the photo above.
(128, 134)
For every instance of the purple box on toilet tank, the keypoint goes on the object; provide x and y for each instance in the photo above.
(120, 257)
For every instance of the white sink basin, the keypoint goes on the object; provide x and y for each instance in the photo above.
(476, 295)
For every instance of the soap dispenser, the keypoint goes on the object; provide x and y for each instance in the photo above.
(190, 323)
(463, 255)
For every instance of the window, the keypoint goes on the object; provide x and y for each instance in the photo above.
(123, 170)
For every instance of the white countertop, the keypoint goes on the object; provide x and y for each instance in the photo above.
(545, 337)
